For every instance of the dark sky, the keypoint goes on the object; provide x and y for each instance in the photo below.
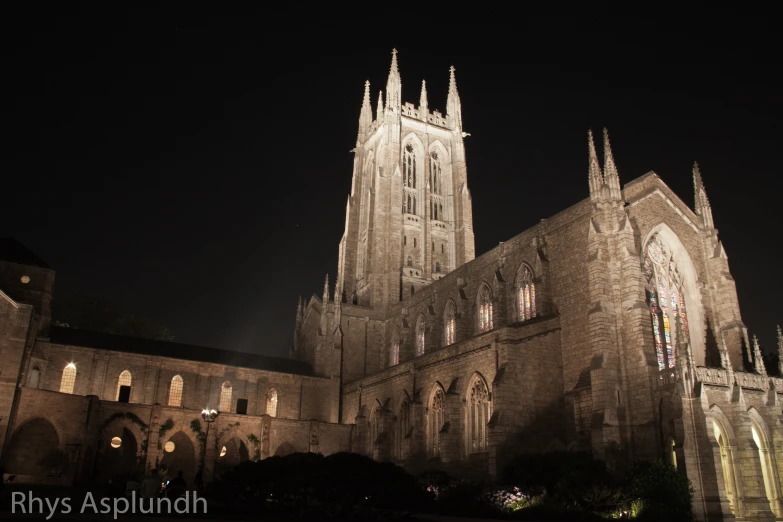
(196, 171)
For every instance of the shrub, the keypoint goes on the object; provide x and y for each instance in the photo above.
(663, 493)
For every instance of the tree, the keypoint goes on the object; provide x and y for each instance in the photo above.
(91, 314)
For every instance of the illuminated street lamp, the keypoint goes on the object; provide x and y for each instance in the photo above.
(209, 416)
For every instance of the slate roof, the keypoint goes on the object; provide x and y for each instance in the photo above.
(120, 343)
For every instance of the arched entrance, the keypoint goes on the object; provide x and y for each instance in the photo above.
(179, 454)
(34, 449)
(727, 463)
(231, 454)
(120, 455)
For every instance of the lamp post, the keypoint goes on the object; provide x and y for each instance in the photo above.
(209, 416)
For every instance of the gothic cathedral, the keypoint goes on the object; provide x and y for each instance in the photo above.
(612, 327)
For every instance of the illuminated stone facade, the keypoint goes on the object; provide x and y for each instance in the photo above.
(613, 326)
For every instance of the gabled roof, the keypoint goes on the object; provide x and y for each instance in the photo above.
(13, 251)
(120, 343)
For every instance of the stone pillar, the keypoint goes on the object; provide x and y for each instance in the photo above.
(451, 435)
(210, 453)
(153, 438)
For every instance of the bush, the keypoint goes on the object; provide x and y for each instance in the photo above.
(663, 492)
(339, 484)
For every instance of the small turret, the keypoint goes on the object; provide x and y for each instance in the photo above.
(758, 360)
(379, 114)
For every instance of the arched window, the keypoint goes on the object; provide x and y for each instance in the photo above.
(68, 378)
(767, 464)
(727, 464)
(394, 358)
(409, 180)
(437, 267)
(666, 300)
(403, 425)
(420, 336)
(449, 325)
(526, 294)
(409, 167)
(124, 380)
(35, 376)
(271, 403)
(436, 173)
(226, 392)
(672, 452)
(410, 261)
(478, 415)
(436, 420)
(485, 310)
(436, 187)
(175, 391)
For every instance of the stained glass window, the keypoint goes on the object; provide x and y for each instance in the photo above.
(175, 391)
(436, 421)
(449, 324)
(667, 302)
(526, 295)
(485, 310)
(478, 415)
(420, 336)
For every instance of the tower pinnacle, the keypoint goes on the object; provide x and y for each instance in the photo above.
(453, 104)
(365, 117)
(326, 290)
(423, 99)
(701, 203)
(394, 86)
(611, 176)
(595, 177)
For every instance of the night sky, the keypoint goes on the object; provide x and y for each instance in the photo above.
(196, 171)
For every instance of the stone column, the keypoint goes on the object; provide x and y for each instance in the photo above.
(210, 454)
(153, 438)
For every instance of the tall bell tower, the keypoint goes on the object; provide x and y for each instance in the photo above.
(408, 218)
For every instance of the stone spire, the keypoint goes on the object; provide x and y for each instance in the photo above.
(380, 105)
(299, 309)
(453, 104)
(758, 360)
(365, 117)
(394, 86)
(595, 177)
(702, 204)
(611, 177)
(780, 352)
(325, 298)
(423, 100)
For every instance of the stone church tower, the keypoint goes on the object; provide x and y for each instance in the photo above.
(408, 218)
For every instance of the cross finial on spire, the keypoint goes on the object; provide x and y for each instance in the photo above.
(394, 68)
